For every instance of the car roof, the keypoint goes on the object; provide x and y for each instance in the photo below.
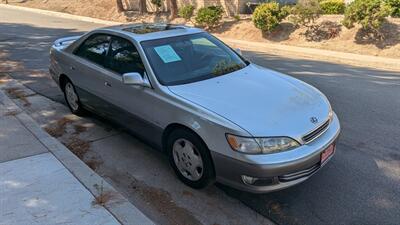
(145, 31)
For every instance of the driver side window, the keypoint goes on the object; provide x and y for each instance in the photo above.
(123, 57)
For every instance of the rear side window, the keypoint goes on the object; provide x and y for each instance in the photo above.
(94, 48)
(124, 57)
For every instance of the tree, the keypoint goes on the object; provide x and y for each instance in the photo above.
(174, 8)
(142, 6)
(120, 6)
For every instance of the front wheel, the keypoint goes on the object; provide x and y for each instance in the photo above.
(72, 98)
(190, 159)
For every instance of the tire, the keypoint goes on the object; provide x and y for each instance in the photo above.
(72, 98)
(190, 159)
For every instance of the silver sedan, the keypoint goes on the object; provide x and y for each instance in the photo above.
(217, 116)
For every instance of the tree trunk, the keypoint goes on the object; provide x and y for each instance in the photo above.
(120, 6)
(174, 8)
(142, 7)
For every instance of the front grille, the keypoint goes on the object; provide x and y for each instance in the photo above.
(300, 174)
(316, 133)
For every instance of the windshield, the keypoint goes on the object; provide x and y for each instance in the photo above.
(190, 58)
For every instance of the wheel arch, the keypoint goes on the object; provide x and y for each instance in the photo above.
(62, 80)
(174, 126)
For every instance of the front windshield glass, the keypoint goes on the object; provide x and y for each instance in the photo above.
(190, 58)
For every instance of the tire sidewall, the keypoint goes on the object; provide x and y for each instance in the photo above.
(79, 111)
(208, 168)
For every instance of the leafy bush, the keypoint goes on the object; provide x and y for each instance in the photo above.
(267, 16)
(157, 3)
(186, 12)
(395, 4)
(305, 12)
(332, 6)
(370, 14)
(209, 16)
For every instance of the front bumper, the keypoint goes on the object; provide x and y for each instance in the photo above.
(276, 171)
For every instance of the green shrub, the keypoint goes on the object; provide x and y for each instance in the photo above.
(286, 11)
(267, 16)
(157, 3)
(370, 14)
(395, 5)
(186, 12)
(305, 12)
(332, 6)
(209, 16)
(236, 17)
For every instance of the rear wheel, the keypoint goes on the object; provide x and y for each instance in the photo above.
(190, 159)
(72, 98)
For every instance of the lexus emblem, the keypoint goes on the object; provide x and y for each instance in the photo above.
(314, 120)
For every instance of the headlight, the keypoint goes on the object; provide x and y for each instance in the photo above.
(268, 145)
(330, 115)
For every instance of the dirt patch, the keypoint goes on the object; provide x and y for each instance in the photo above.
(3, 80)
(79, 128)
(187, 193)
(103, 197)
(17, 93)
(149, 198)
(327, 34)
(94, 163)
(11, 113)
(78, 146)
(58, 129)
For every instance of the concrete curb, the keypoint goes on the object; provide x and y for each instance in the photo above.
(118, 206)
(61, 15)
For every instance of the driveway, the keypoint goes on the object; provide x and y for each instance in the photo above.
(361, 185)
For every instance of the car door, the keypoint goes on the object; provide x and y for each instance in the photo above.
(133, 105)
(87, 72)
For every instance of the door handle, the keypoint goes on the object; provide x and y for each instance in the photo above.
(107, 84)
(72, 68)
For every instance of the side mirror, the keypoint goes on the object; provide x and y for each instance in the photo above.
(238, 51)
(133, 79)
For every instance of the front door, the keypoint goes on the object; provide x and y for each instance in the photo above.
(133, 105)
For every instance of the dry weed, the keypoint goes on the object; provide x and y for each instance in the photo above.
(78, 146)
(59, 128)
(93, 163)
(79, 128)
(11, 113)
(17, 93)
(103, 197)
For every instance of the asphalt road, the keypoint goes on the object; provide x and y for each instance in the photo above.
(361, 185)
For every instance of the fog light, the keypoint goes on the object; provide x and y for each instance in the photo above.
(249, 180)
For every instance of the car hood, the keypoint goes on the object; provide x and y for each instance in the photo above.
(261, 101)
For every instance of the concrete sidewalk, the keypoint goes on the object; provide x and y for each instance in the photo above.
(42, 182)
